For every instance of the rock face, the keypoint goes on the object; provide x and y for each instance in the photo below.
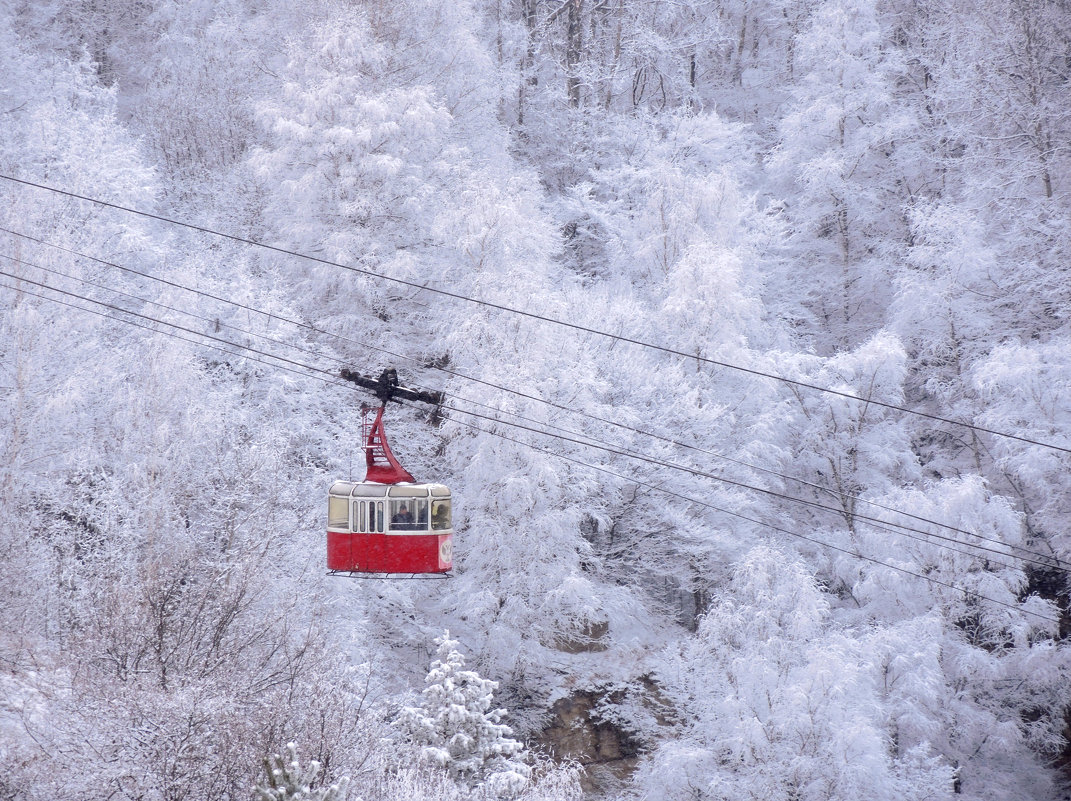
(576, 732)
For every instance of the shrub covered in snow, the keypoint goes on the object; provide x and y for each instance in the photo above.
(289, 781)
(455, 727)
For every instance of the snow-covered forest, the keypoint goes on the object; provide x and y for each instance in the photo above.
(754, 323)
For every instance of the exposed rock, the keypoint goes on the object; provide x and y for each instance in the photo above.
(577, 732)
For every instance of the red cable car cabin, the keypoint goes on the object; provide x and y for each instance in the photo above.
(388, 523)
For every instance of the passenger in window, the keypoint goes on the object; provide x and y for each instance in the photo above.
(440, 516)
(402, 519)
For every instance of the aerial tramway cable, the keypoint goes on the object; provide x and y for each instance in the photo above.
(435, 398)
(881, 525)
(304, 372)
(877, 523)
(543, 318)
(120, 309)
(211, 321)
(969, 594)
(595, 441)
(311, 372)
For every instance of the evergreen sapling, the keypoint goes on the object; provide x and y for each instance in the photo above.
(455, 728)
(289, 781)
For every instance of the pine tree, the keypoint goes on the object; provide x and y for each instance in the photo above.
(456, 729)
(289, 781)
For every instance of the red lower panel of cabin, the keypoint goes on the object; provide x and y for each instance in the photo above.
(389, 553)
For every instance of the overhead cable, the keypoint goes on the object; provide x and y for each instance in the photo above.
(473, 379)
(543, 318)
(969, 594)
(1042, 560)
(312, 371)
(878, 523)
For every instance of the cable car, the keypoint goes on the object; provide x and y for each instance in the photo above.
(388, 523)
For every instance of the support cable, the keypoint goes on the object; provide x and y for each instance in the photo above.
(592, 442)
(968, 594)
(310, 372)
(881, 525)
(562, 407)
(540, 317)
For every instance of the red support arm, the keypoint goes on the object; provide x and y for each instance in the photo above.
(383, 467)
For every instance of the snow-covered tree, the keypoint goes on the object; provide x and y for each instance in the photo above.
(778, 704)
(1026, 389)
(289, 780)
(850, 447)
(456, 729)
(836, 141)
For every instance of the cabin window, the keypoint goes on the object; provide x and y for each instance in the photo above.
(440, 515)
(409, 514)
(379, 516)
(337, 512)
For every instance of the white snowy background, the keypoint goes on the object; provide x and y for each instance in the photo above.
(681, 580)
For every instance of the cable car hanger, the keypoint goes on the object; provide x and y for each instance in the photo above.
(387, 388)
